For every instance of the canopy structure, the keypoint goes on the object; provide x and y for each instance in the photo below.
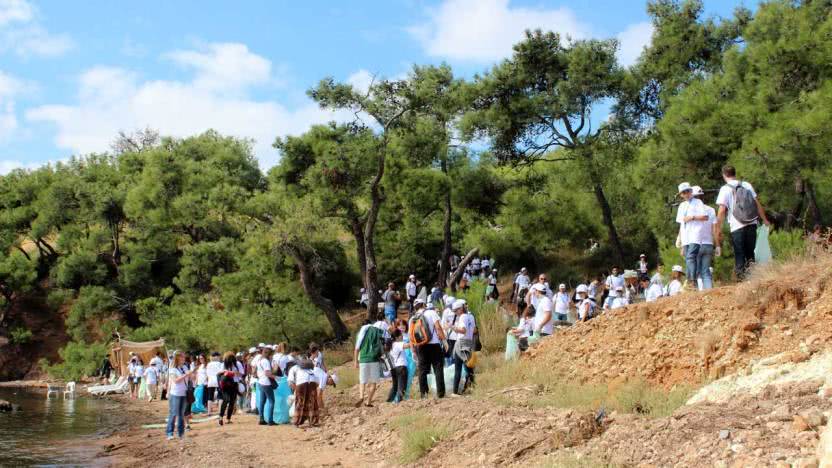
(120, 352)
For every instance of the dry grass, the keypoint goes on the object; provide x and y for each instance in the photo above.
(339, 355)
(543, 387)
(419, 433)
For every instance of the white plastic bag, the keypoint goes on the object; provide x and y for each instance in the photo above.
(762, 251)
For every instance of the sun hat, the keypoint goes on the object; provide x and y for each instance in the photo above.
(678, 268)
(458, 304)
(697, 190)
(684, 187)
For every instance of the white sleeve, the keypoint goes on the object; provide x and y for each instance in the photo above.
(680, 217)
(724, 193)
(750, 189)
(360, 337)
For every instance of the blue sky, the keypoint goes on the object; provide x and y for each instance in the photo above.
(72, 74)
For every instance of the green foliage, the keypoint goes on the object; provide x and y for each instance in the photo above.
(787, 245)
(20, 335)
(94, 305)
(80, 269)
(78, 360)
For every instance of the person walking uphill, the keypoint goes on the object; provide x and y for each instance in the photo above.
(464, 328)
(368, 348)
(738, 202)
(391, 300)
(427, 339)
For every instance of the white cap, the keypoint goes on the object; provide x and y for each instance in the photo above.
(412, 276)
(642, 256)
(261, 345)
(581, 288)
(678, 268)
(430, 305)
(619, 288)
(449, 300)
(684, 187)
(457, 304)
(334, 378)
(252, 350)
(562, 286)
(538, 287)
(523, 269)
(418, 301)
(697, 190)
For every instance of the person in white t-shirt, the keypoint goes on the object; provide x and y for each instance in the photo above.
(586, 305)
(743, 235)
(543, 324)
(561, 300)
(614, 280)
(521, 287)
(448, 318)
(524, 330)
(616, 300)
(675, 285)
(151, 379)
(652, 291)
(411, 288)
(213, 368)
(255, 356)
(693, 228)
(178, 375)
(399, 371)
(706, 236)
(265, 388)
(463, 332)
(431, 355)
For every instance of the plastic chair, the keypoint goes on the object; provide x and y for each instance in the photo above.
(70, 390)
(50, 389)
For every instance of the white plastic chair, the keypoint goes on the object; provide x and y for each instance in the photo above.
(50, 389)
(70, 390)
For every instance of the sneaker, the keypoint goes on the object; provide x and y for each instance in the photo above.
(170, 436)
(271, 424)
(262, 423)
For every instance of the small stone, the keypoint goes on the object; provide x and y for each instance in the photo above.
(808, 462)
(814, 417)
(724, 434)
(799, 424)
(781, 413)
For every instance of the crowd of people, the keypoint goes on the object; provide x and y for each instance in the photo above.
(277, 383)
(439, 335)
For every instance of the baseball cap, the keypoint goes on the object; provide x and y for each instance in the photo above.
(581, 288)
(252, 350)
(449, 300)
(619, 288)
(684, 187)
(697, 190)
(523, 269)
(642, 256)
(458, 304)
(562, 286)
(678, 268)
(418, 301)
(261, 345)
(412, 276)
(335, 379)
(539, 287)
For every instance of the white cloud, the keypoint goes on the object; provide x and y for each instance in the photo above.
(226, 66)
(361, 80)
(9, 88)
(8, 165)
(486, 30)
(632, 42)
(112, 99)
(12, 11)
(21, 33)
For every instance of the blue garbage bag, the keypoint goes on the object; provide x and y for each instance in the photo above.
(762, 251)
(512, 348)
(197, 406)
(281, 401)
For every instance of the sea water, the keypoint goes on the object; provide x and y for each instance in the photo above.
(55, 431)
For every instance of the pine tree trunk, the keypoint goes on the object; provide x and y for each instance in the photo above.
(606, 212)
(445, 262)
(339, 329)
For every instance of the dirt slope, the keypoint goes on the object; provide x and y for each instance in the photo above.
(690, 338)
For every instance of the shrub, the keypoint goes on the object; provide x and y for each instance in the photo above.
(786, 245)
(78, 360)
(419, 434)
(20, 336)
(79, 269)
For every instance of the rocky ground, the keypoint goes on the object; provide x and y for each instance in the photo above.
(758, 356)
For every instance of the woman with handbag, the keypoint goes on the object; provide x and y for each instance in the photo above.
(228, 380)
(266, 385)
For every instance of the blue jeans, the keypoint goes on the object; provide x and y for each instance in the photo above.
(691, 266)
(390, 313)
(265, 403)
(703, 265)
(176, 414)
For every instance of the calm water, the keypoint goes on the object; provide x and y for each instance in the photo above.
(40, 435)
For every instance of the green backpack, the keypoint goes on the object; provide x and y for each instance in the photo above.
(372, 345)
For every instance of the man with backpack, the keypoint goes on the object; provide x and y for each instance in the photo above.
(427, 339)
(738, 202)
(369, 346)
